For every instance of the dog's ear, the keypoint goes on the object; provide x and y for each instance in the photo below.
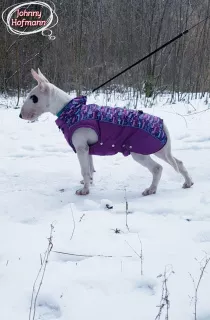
(42, 81)
(35, 75)
(42, 76)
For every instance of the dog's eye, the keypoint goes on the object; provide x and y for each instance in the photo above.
(34, 98)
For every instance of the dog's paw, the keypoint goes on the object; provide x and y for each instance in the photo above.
(149, 191)
(187, 185)
(82, 192)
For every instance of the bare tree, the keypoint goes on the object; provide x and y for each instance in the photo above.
(95, 39)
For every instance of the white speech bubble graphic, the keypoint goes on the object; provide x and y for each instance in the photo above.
(47, 27)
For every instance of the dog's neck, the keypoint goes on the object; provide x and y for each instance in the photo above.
(58, 100)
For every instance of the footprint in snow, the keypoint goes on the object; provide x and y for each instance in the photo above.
(31, 220)
(28, 148)
(147, 285)
(48, 309)
(203, 236)
(200, 139)
(183, 136)
(204, 317)
(19, 155)
(53, 149)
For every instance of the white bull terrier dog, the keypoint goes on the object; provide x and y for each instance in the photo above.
(93, 130)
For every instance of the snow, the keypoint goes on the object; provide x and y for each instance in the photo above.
(39, 175)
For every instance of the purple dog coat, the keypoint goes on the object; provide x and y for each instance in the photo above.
(118, 129)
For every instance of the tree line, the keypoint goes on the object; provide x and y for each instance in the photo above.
(95, 39)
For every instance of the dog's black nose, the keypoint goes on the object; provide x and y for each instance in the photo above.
(20, 115)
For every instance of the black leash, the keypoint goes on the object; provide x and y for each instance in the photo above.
(150, 54)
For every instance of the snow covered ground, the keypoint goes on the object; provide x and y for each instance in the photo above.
(39, 175)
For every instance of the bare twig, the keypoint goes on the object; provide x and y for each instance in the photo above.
(187, 115)
(164, 301)
(32, 58)
(139, 255)
(133, 249)
(196, 286)
(81, 217)
(41, 272)
(142, 258)
(193, 113)
(126, 210)
(41, 259)
(73, 230)
(18, 37)
(34, 285)
(183, 116)
(90, 255)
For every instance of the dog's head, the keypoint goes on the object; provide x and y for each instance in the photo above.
(38, 100)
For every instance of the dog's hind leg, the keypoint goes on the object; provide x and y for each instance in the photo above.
(153, 167)
(166, 155)
(163, 154)
(188, 181)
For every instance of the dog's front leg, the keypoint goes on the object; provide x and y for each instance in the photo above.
(92, 170)
(81, 139)
(83, 156)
